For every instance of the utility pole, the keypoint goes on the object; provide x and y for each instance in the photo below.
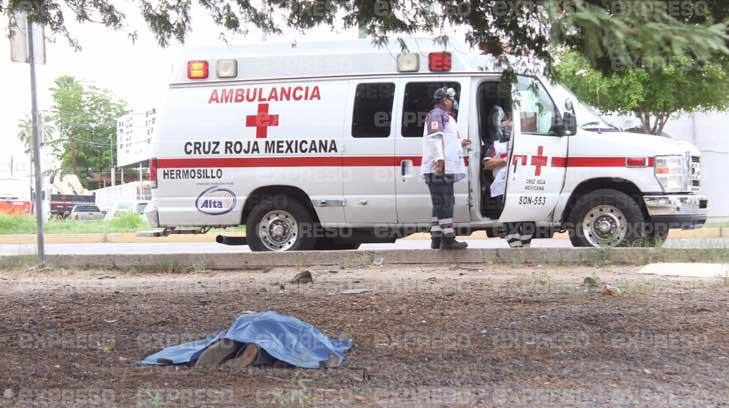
(111, 154)
(36, 148)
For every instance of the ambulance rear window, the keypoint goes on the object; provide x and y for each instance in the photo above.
(418, 102)
(372, 114)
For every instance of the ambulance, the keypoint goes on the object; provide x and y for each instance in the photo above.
(318, 146)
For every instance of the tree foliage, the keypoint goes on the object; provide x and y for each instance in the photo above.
(25, 133)
(652, 94)
(85, 120)
(606, 32)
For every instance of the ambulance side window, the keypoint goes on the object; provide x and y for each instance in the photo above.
(538, 112)
(418, 102)
(372, 114)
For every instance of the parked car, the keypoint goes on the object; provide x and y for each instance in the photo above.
(85, 212)
(119, 207)
(126, 207)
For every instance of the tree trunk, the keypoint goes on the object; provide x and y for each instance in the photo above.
(653, 123)
(74, 154)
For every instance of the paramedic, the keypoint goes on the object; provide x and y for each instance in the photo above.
(442, 166)
(518, 234)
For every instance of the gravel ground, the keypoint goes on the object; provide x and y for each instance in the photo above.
(423, 337)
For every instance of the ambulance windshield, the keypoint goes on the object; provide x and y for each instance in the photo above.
(587, 117)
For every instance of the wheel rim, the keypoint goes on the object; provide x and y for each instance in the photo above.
(278, 230)
(605, 226)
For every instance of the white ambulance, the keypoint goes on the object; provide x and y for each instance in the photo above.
(318, 146)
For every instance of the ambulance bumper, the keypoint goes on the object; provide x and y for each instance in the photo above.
(678, 211)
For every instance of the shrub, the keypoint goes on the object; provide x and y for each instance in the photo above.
(126, 221)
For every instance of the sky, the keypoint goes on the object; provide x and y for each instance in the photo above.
(136, 72)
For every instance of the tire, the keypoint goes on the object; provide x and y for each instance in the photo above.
(607, 218)
(280, 223)
(333, 244)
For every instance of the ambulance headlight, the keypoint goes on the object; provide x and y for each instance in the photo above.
(672, 173)
(227, 68)
(408, 62)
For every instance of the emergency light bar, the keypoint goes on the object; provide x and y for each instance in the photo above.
(439, 61)
(197, 69)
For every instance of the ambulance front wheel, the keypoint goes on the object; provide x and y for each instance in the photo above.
(280, 223)
(607, 218)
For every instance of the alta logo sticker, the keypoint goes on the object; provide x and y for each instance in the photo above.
(216, 201)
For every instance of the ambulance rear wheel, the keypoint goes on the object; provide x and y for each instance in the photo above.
(280, 223)
(606, 218)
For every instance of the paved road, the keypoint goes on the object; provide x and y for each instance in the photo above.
(167, 248)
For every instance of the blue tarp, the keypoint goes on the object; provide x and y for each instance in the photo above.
(285, 338)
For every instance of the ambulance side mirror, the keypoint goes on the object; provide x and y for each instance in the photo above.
(569, 124)
(569, 120)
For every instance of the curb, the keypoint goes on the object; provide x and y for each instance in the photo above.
(113, 238)
(118, 238)
(238, 261)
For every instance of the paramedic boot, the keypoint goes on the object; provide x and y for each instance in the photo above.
(451, 243)
(435, 243)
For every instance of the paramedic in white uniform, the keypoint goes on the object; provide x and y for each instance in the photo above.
(442, 166)
(518, 234)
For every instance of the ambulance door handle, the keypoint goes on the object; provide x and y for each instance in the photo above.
(406, 167)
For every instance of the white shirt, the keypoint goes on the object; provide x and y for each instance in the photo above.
(498, 150)
(441, 141)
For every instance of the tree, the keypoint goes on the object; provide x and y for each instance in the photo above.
(25, 133)
(85, 118)
(604, 31)
(653, 94)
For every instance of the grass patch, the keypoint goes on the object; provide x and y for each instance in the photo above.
(122, 223)
(717, 225)
(25, 224)
(637, 288)
(15, 262)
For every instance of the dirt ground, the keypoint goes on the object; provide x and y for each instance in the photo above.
(423, 337)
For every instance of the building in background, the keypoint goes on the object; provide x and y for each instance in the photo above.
(133, 151)
(134, 133)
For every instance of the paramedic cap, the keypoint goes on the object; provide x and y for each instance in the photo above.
(442, 93)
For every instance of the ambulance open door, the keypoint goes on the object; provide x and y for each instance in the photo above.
(538, 158)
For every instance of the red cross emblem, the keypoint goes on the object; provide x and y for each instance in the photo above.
(539, 161)
(262, 121)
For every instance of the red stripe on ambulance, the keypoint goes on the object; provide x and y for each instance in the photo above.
(326, 161)
(595, 161)
(359, 161)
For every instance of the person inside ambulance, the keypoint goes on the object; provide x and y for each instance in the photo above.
(442, 166)
(518, 235)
